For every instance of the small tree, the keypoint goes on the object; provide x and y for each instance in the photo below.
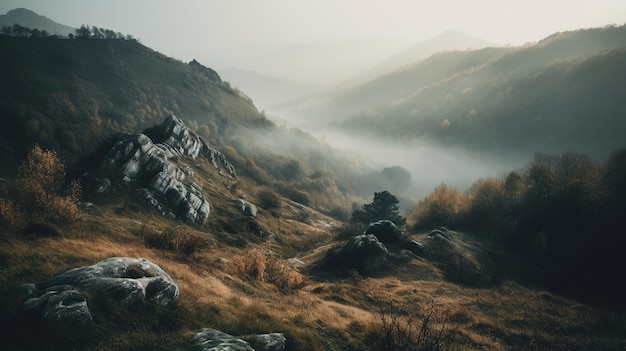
(384, 206)
(40, 182)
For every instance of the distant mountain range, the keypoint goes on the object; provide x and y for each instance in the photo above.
(30, 19)
(323, 66)
(564, 93)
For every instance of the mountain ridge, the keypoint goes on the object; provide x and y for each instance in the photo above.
(30, 19)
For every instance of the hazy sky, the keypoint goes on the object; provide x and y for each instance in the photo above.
(221, 31)
(172, 26)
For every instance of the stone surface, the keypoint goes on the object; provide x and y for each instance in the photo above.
(247, 208)
(146, 161)
(61, 304)
(418, 249)
(364, 253)
(129, 281)
(272, 341)
(215, 340)
(443, 232)
(385, 231)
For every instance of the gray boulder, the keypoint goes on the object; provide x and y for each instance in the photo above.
(247, 208)
(443, 232)
(364, 253)
(61, 302)
(215, 340)
(60, 305)
(272, 341)
(129, 281)
(385, 231)
(418, 249)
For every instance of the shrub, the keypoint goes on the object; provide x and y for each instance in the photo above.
(400, 329)
(40, 188)
(443, 207)
(268, 199)
(176, 239)
(9, 214)
(266, 268)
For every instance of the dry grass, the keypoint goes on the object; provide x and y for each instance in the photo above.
(330, 314)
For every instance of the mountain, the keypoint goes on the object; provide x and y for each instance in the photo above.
(30, 19)
(447, 41)
(57, 92)
(564, 93)
(267, 90)
(561, 93)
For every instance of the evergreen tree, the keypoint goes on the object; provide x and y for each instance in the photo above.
(384, 206)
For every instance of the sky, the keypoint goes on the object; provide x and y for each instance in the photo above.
(183, 28)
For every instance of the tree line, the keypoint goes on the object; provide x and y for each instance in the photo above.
(562, 215)
(84, 32)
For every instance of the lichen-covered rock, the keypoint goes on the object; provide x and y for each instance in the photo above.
(364, 253)
(59, 305)
(215, 340)
(385, 231)
(272, 341)
(129, 281)
(145, 160)
(417, 249)
(247, 208)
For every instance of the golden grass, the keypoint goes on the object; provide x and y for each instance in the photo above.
(329, 314)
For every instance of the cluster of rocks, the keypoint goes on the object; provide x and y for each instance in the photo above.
(147, 161)
(366, 253)
(61, 303)
(215, 340)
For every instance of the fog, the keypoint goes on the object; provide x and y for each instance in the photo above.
(429, 164)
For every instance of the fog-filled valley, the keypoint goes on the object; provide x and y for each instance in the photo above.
(321, 185)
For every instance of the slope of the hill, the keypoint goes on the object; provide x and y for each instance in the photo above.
(561, 93)
(67, 94)
(564, 93)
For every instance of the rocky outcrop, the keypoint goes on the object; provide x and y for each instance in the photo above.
(61, 302)
(386, 231)
(128, 281)
(364, 253)
(146, 161)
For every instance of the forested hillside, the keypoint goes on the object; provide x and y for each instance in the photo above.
(564, 93)
(68, 94)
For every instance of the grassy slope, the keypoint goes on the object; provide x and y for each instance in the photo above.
(325, 314)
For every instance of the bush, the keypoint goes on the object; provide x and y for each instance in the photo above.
(443, 207)
(9, 214)
(400, 329)
(40, 192)
(176, 239)
(268, 199)
(266, 268)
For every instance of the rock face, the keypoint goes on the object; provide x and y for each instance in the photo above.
(364, 253)
(61, 302)
(418, 249)
(147, 161)
(385, 231)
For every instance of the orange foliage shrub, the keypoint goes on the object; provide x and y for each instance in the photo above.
(40, 188)
(266, 268)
